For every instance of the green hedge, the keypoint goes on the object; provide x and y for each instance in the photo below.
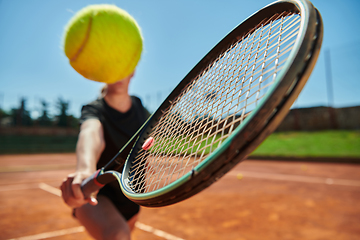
(37, 144)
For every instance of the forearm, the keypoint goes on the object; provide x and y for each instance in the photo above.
(89, 146)
(88, 149)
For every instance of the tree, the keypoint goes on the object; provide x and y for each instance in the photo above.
(21, 116)
(44, 119)
(64, 119)
(63, 107)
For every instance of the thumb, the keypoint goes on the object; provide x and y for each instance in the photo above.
(92, 201)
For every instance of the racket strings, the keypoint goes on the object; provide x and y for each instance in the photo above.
(215, 103)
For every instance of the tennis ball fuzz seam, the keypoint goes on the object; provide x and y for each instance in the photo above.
(83, 42)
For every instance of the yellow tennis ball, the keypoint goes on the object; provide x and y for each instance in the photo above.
(103, 43)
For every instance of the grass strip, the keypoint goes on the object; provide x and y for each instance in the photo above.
(340, 143)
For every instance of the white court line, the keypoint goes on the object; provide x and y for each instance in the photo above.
(156, 232)
(139, 225)
(50, 189)
(298, 178)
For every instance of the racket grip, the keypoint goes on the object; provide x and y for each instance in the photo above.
(91, 185)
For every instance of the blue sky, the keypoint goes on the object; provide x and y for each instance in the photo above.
(177, 35)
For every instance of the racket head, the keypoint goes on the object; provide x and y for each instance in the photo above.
(148, 175)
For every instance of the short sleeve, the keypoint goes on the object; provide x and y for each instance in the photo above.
(89, 112)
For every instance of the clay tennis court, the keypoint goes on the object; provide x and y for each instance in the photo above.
(256, 200)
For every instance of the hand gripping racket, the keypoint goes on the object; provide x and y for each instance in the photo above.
(222, 110)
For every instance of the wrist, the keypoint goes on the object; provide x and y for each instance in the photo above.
(85, 167)
(85, 172)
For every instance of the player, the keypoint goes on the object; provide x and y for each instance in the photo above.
(106, 124)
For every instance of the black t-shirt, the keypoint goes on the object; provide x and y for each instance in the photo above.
(118, 127)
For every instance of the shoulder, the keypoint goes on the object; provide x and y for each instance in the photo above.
(92, 110)
(98, 103)
(135, 100)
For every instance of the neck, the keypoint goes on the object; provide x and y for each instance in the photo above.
(121, 103)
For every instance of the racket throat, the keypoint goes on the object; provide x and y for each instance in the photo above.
(107, 177)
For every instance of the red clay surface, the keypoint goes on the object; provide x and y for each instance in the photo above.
(267, 200)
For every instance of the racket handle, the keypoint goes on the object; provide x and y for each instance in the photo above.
(91, 184)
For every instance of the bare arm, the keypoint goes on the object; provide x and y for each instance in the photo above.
(89, 147)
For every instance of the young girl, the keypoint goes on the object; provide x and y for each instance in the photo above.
(106, 125)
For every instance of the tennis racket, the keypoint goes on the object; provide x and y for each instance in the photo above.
(222, 110)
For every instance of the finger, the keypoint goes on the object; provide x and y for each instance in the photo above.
(71, 176)
(67, 192)
(62, 188)
(68, 178)
(65, 189)
(92, 201)
(78, 179)
(76, 191)
(67, 195)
